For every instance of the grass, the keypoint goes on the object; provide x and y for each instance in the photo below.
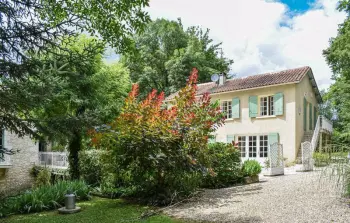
(95, 210)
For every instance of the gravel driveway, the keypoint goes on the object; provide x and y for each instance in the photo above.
(294, 197)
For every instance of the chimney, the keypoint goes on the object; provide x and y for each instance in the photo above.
(222, 79)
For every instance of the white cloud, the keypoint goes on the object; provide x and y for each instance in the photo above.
(253, 36)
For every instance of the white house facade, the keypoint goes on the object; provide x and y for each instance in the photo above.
(264, 109)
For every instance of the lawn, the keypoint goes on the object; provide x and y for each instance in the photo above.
(95, 210)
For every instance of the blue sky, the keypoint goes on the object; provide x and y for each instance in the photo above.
(299, 5)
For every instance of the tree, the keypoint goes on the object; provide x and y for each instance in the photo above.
(87, 94)
(167, 53)
(337, 56)
(158, 147)
(30, 27)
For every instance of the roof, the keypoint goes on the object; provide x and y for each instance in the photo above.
(256, 81)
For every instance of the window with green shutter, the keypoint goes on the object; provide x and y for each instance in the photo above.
(230, 138)
(278, 104)
(253, 106)
(305, 114)
(235, 108)
(310, 116)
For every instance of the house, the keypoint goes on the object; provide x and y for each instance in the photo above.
(15, 169)
(267, 108)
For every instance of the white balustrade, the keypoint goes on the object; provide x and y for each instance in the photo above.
(53, 159)
(316, 133)
(327, 124)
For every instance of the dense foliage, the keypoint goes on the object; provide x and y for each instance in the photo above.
(337, 56)
(94, 166)
(43, 198)
(167, 53)
(43, 177)
(226, 164)
(85, 93)
(251, 168)
(162, 150)
(31, 29)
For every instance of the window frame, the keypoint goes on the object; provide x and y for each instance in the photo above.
(259, 148)
(264, 148)
(269, 105)
(251, 145)
(240, 141)
(228, 114)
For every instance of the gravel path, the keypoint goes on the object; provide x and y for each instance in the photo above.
(294, 197)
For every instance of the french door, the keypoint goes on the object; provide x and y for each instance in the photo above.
(253, 147)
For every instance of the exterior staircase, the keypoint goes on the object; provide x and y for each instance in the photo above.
(322, 125)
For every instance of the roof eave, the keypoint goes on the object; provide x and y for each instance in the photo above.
(314, 86)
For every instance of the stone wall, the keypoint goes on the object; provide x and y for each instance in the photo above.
(17, 177)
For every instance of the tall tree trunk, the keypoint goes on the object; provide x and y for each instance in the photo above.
(74, 148)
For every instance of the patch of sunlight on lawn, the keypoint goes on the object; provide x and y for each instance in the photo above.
(95, 210)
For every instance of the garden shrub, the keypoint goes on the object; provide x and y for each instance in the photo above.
(251, 168)
(43, 177)
(226, 164)
(43, 198)
(159, 151)
(321, 159)
(54, 177)
(92, 164)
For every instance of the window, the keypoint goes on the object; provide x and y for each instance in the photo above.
(266, 106)
(241, 145)
(252, 146)
(226, 106)
(263, 145)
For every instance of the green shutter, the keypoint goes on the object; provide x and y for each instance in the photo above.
(278, 104)
(235, 108)
(315, 116)
(305, 114)
(253, 106)
(230, 138)
(310, 116)
(273, 138)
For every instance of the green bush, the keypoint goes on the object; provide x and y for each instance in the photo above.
(92, 166)
(321, 159)
(251, 168)
(43, 198)
(54, 177)
(43, 178)
(225, 162)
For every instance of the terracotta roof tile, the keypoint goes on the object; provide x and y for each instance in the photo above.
(260, 80)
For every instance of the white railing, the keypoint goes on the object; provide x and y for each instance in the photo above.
(316, 133)
(53, 159)
(322, 124)
(326, 124)
(5, 160)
